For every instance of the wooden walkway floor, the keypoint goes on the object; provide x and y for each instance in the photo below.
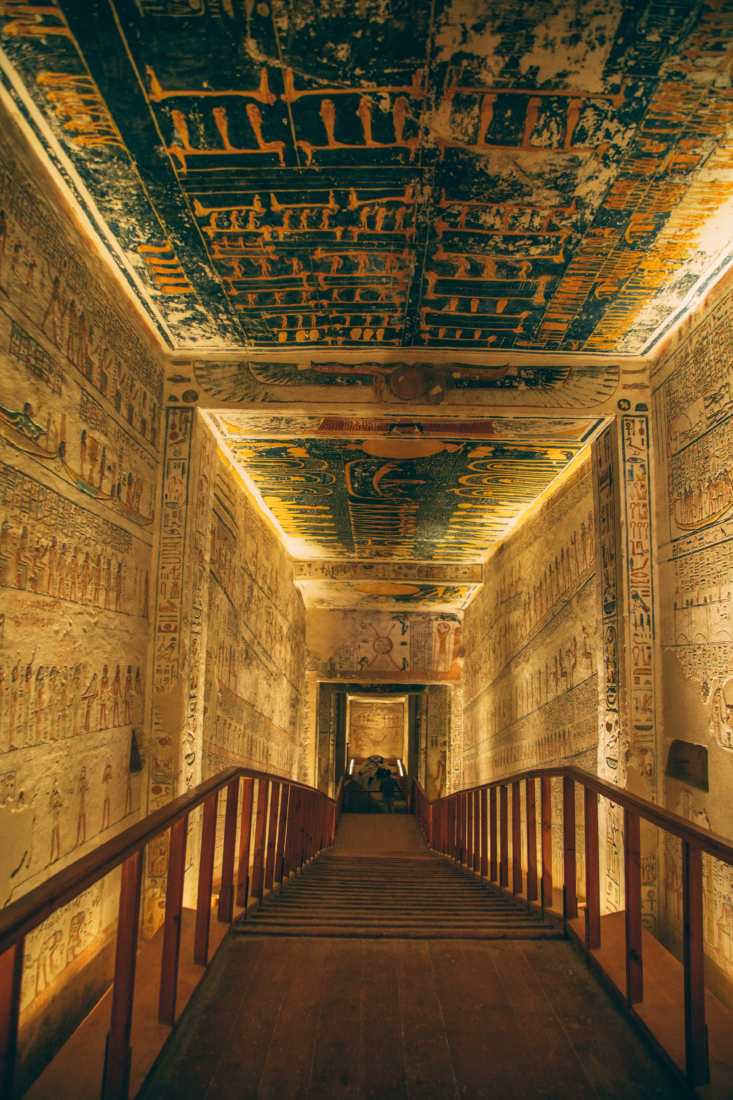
(359, 1019)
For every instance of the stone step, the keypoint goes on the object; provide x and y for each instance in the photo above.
(386, 931)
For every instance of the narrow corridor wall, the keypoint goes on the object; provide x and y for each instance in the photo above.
(530, 684)
(530, 677)
(81, 386)
(693, 415)
(255, 640)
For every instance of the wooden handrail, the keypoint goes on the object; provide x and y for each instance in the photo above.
(712, 843)
(304, 821)
(22, 916)
(463, 826)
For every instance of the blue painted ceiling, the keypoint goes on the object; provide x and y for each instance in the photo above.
(455, 174)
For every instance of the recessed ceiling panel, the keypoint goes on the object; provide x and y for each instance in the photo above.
(405, 493)
(442, 175)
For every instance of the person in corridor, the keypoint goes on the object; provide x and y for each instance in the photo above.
(388, 788)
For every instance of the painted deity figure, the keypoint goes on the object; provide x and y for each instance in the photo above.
(54, 806)
(107, 778)
(81, 820)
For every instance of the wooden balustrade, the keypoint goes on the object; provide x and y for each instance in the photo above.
(445, 822)
(291, 824)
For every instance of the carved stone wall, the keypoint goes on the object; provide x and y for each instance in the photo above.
(694, 504)
(80, 396)
(530, 680)
(254, 671)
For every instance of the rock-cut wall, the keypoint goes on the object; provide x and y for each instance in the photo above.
(693, 407)
(80, 396)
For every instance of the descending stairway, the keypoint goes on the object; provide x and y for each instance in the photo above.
(397, 896)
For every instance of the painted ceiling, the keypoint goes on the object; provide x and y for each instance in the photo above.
(368, 490)
(447, 174)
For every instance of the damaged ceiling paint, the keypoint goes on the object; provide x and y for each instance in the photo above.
(458, 175)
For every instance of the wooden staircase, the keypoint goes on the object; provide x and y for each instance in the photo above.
(406, 897)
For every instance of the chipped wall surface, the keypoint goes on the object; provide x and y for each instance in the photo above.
(447, 176)
(254, 642)
(80, 392)
(530, 675)
(694, 499)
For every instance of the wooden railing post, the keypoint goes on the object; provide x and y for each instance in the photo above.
(272, 834)
(468, 820)
(592, 872)
(11, 977)
(531, 840)
(116, 1083)
(320, 806)
(258, 866)
(206, 878)
(697, 1069)
(476, 863)
(546, 829)
(516, 838)
(483, 828)
(308, 823)
(494, 863)
(226, 891)
(291, 844)
(504, 835)
(570, 893)
(301, 835)
(632, 881)
(281, 830)
(172, 925)
(460, 832)
(245, 836)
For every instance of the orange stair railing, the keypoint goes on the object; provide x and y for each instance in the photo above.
(291, 824)
(472, 827)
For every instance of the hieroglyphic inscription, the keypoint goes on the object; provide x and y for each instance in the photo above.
(243, 133)
(176, 474)
(583, 112)
(481, 277)
(609, 728)
(78, 104)
(640, 614)
(640, 597)
(34, 358)
(695, 408)
(315, 265)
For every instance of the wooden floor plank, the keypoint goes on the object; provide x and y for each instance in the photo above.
(287, 1069)
(428, 1065)
(547, 1055)
(335, 1072)
(480, 1024)
(381, 1052)
(615, 1059)
(205, 1032)
(239, 1070)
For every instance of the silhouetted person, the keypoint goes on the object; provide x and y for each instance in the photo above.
(388, 788)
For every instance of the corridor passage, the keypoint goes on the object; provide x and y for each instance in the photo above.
(318, 1017)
